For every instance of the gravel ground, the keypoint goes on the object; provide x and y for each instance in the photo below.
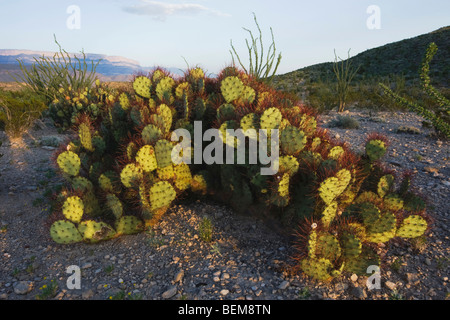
(246, 258)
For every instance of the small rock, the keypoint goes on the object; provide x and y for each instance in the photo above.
(354, 277)
(23, 287)
(390, 285)
(358, 292)
(283, 285)
(412, 278)
(428, 261)
(170, 292)
(224, 292)
(179, 276)
(86, 265)
(225, 276)
(4, 296)
(88, 294)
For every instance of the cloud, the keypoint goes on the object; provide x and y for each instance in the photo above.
(161, 10)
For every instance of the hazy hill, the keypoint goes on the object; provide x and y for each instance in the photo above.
(110, 68)
(400, 58)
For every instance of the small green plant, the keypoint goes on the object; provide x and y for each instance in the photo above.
(121, 295)
(109, 269)
(205, 229)
(344, 73)
(345, 122)
(47, 291)
(260, 67)
(395, 295)
(304, 293)
(396, 264)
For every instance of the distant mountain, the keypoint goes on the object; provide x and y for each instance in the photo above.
(110, 68)
(400, 58)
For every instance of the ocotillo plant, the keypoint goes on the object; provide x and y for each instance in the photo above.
(344, 72)
(260, 66)
(440, 116)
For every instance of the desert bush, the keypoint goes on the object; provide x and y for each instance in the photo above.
(439, 113)
(19, 109)
(344, 122)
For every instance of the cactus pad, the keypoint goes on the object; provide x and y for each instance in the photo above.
(65, 232)
(69, 162)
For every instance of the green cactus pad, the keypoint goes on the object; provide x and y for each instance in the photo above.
(166, 114)
(93, 231)
(292, 140)
(332, 187)
(351, 245)
(182, 177)
(164, 88)
(69, 162)
(328, 247)
(161, 195)
(85, 136)
(382, 230)
(250, 122)
(319, 269)
(82, 184)
(141, 86)
(375, 149)
(130, 174)
(226, 112)
(151, 134)
(231, 88)
(288, 164)
(280, 195)
(360, 264)
(65, 232)
(146, 158)
(385, 185)
(166, 173)
(412, 227)
(329, 213)
(128, 225)
(108, 182)
(73, 209)
(124, 101)
(248, 95)
(114, 205)
(163, 153)
(336, 152)
(271, 119)
(393, 202)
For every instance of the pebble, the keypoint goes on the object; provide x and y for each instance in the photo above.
(283, 285)
(390, 285)
(169, 293)
(179, 276)
(22, 287)
(224, 292)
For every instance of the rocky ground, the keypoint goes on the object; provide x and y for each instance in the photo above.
(245, 259)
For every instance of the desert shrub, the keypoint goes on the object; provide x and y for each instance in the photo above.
(19, 109)
(344, 122)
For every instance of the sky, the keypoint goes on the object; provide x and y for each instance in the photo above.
(198, 32)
